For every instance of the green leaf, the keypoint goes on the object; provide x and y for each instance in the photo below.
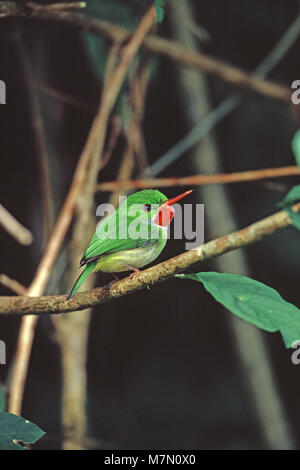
(2, 400)
(159, 8)
(13, 427)
(254, 302)
(296, 147)
(292, 196)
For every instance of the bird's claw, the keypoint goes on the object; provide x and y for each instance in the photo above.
(135, 271)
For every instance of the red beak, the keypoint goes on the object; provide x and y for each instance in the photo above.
(172, 201)
(165, 213)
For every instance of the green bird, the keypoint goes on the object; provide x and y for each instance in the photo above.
(131, 237)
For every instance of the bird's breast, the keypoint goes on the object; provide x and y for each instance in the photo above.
(137, 257)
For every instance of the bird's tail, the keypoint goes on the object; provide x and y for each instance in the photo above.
(87, 270)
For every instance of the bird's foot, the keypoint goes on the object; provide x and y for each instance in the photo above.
(116, 279)
(135, 271)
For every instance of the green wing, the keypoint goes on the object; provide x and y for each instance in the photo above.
(107, 240)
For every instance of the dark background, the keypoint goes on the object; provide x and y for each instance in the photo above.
(163, 368)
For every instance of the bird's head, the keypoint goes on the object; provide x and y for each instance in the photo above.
(157, 208)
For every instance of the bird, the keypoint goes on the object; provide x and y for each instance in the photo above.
(131, 237)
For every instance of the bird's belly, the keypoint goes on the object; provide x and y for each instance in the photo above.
(137, 258)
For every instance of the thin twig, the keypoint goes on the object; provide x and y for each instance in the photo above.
(196, 180)
(134, 129)
(56, 7)
(15, 228)
(112, 140)
(12, 284)
(16, 306)
(61, 96)
(24, 9)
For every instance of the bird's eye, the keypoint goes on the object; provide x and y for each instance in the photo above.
(147, 207)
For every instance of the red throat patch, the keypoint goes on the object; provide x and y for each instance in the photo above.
(164, 216)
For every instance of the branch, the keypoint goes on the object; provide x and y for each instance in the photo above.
(56, 7)
(112, 140)
(53, 304)
(26, 9)
(165, 47)
(134, 127)
(196, 180)
(12, 226)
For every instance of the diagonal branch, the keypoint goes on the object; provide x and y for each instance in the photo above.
(149, 277)
(14, 227)
(12, 284)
